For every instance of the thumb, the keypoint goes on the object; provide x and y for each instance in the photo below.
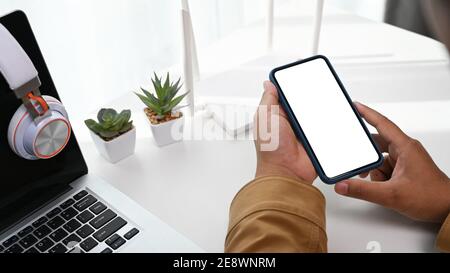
(270, 96)
(377, 192)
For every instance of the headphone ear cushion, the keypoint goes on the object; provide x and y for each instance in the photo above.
(16, 130)
(41, 139)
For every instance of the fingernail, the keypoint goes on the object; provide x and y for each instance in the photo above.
(356, 102)
(266, 84)
(342, 188)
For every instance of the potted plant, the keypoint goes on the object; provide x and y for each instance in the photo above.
(165, 120)
(113, 134)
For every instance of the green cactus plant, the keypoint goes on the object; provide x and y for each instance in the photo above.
(165, 100)
(110, 123)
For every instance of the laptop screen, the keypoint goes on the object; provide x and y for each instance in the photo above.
(27, 185)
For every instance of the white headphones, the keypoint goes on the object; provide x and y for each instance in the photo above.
(40, 128)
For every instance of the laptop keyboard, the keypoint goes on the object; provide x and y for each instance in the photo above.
(76, 225)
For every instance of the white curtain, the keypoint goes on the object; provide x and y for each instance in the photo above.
(98, 50)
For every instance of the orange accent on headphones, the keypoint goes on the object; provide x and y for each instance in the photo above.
(40, 101)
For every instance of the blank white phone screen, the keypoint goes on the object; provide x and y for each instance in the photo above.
(326, 117)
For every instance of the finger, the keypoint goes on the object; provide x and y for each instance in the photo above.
(382, 173)
(266, 108)
(378, 176)
(378, 193)
(364, 175)
(270, 96)
(390, 132)
(382, 144)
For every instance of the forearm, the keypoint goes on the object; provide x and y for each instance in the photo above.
(277, 214)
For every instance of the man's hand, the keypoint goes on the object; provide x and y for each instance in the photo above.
(289, 158)
(408, 181)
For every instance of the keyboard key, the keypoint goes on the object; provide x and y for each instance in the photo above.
(42, 232)
(107, 250)
(112, 239)
(118, 243)
(32, 250)
(56, 222)
(85, 216)
(53, 213)
(88, 244)
(72, 225)
(97, 208)
(85, 203)
(39, 222)
(10, 241)
(25, 231)
(85, 231)
(80, 195)
(69, 213)
(28, 241)
(67, 204)
(44, 244)
(103, 218)
(59, 248)
(14, 249)
(130, 234)
(109, 229)
(71, 241)
(1, 248)
(58, 235)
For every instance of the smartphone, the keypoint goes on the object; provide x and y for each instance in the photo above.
(325, 119)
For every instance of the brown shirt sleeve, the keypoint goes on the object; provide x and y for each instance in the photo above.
(277, 214)
(443, 238)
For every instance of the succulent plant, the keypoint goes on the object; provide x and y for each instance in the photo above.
(110, 123)
(165, 101)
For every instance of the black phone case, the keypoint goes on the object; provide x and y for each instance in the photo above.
(301, 136)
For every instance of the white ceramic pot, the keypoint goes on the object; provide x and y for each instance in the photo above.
(118, 148)
(168, 132)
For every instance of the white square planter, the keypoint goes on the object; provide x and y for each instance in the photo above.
(168, 132)
(118, 148)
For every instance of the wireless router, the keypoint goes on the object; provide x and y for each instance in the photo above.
(232, 117)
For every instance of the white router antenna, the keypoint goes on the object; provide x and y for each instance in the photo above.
(318, 18)
(191, 69)
(317, 26)
(269, 24)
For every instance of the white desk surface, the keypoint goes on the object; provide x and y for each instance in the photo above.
(190, 184)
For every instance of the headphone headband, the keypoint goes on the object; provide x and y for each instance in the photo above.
(15, 65)
(20, 73)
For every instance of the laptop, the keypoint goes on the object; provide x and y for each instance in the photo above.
(54, 205)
